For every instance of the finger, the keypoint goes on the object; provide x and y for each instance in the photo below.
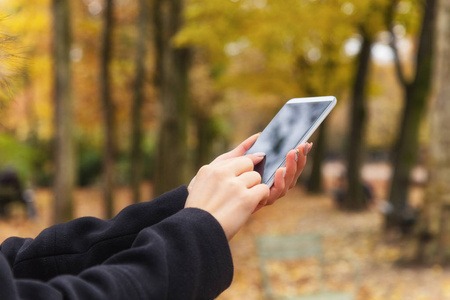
(239, 150)
(245, 145)
(303, 150)
(256, 157)
(261, 193)
(241, 164)
(250, 179)
(237, 165)
(291, 167)
(278, 187)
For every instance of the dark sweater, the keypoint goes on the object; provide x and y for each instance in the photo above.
(153, 250)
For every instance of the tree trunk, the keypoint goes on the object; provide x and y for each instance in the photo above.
(64, 180)
(434, 228)
(355, 199)
(172, 67)
(204, 99)
(205, 135)
(109, 146)
(136, 112)
(404, 155)
(416, 93)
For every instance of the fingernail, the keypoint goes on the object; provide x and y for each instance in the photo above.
(284, 172)
(306, 149)
(259, 154)
(296, 154)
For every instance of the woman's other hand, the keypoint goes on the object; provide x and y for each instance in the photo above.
(286, 177)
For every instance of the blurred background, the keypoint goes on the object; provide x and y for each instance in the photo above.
(105, 103)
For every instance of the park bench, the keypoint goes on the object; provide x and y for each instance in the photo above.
(294, 247)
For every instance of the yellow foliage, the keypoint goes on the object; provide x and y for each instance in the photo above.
(256, 54)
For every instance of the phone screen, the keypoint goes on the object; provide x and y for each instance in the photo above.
(293, 125)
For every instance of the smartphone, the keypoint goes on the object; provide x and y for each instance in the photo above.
(293, 125)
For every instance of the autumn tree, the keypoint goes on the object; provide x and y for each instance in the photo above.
(416, 90)
(109, 144)
(64, 178)
(136, 111)
(209, 65)
(355, 198)
(367, 21)
(433, 229)
(172, 66)
(203, 107)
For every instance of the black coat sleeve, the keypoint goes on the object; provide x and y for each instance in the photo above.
(69, 248)
(186, 256)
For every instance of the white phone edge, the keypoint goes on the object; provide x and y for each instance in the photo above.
(313, 128)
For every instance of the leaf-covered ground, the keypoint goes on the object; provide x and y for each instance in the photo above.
(357, 258)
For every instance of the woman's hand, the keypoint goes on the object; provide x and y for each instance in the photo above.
(236, 152)
(229, 190)
(285, 178)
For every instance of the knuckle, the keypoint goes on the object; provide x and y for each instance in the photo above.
(215, 172)
(267, 194)
(257, 176)
(234, 185)
(206, 169)
(220, 172)
(248, 162)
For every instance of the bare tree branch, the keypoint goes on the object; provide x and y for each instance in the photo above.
(397, 62)
(393, 44)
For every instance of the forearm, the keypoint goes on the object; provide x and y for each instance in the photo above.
(71, 247)
(186, 256)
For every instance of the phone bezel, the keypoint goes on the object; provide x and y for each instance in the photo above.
(311, 130)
